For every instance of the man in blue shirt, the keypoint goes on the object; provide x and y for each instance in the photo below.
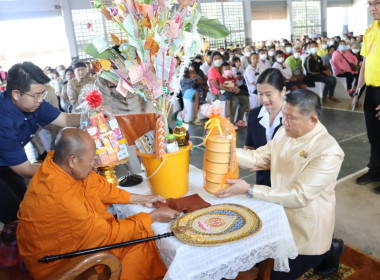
(22, 111)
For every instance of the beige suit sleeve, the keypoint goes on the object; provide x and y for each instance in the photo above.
(72, 94)
(105, 90)
(319, 175)
(249, 158)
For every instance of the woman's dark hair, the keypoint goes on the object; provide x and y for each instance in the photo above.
(278, 52)
(332, 47)
(22, 75)
(69, 70)
(214, 53)
(273, 77)
(234, 60)
(308, 101)
(225, 64)
(196, 65)
(186, 73)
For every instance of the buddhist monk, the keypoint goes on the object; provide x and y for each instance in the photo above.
(64, 210)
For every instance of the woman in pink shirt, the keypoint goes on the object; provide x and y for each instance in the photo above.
(340, 63)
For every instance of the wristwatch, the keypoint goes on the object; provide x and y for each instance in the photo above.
(249, 193)
(355, 93)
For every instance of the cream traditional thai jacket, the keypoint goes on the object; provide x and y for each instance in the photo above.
(303, 176)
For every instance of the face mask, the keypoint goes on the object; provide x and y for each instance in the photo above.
(296, 55)
(314, 50)
(282, 44)
(280, 59)
(263, 56)
(61, 73)
(289, 49)
(247, 54)
(218, 62)
(51, 76)
(318, 41)
(271, 53)
(355, 50)
(324, 46)
(277, 44)
(308, 51)
(298, 42)
(307, 41)
(344, 38)
(227, 73)
(342, 48)
(331, 43)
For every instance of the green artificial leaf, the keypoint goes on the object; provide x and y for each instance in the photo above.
(91, 51)
(210, 28)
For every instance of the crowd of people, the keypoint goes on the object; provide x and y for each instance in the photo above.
(231, 73)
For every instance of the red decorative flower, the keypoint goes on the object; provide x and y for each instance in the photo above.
(2, 88)
(94, 99)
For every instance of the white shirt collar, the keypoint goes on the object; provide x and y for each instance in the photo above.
(264, 121)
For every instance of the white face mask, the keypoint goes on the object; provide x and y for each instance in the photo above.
(355, 50)
(314, 50)
(218, 62)
(308, 51)
(324, 46)
(296, 55)
(247, 54)
(61, 73)
(263, 56)
(318, 41)
(51, 75)
(289, 49)
(271, 53)
(280, 59)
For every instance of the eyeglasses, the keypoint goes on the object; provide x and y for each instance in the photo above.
(375, 4)
(37, 96)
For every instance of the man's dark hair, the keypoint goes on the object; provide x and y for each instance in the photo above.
(69, 70)
(22, 75)
(331, 47)
(209, 53)
(79, 64)
(307, 101)
(288, 45)
(273, 77)
(278, 52)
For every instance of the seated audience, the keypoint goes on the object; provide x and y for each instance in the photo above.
(323, 49)
(263, 63)
(238, 73)
(64, 210)
(355, 50)
(326, 60)
(341, 62)
(245, 60)
(75, 85)
(302, 182)
(250, 75)
(291, 81)
(271, 52)
(189, 90)
(316, 73)
(206, 66)
(295, 63)
(64, 100)
(288, 50)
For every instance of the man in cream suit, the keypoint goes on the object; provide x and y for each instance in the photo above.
(304, 161)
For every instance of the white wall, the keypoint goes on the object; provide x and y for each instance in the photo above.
(270, 29)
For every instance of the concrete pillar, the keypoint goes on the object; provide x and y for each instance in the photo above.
(69, 26)
(289, 7)
(324, 18)
(247, 22)
(345, 20)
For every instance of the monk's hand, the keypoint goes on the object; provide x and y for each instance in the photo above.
(237, 187)
(151, 199)
(146, 200)
(163, 215)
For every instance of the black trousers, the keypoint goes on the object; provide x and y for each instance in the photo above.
(329, 81)
(349, 79)
(12, 190)
(299, 266)
(372, 100)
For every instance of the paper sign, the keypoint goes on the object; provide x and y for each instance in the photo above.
(177, 42)
(149, 11)
(195, 47)
(100, 43)
(194, 17)
(160, 64)
(130, 6)
(183, 3)
(136, 74)
(123, 88)
(172, 28)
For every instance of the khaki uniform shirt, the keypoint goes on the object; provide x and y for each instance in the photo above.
(74, 88)
(303, 177)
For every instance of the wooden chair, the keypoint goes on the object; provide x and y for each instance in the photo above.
(83, 268)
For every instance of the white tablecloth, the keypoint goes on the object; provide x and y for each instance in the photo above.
(183, 261)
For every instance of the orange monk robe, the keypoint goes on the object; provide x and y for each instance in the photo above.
(60, 214)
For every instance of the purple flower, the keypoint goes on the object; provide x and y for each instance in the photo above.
(114, 11)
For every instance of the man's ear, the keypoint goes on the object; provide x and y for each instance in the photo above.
(314, 119)
(16, 94)
(72, 161)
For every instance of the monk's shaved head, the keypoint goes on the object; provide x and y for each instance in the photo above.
(71, 141)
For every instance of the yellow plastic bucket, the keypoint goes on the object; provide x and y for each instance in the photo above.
(168, 175)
